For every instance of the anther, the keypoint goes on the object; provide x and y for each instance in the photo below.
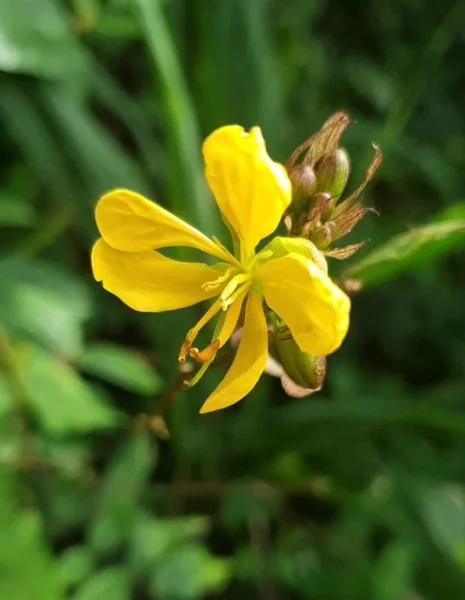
(212, 285)
(184, 351)
(203, 356)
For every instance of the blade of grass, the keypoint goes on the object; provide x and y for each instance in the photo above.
(24, 122)
(118, 101)
(100, 159)
(269, 101)
(188, 190)
(403, 107)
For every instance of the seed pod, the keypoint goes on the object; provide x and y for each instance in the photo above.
(305, 370)
(323, 236)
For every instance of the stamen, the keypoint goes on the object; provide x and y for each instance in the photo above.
(212, 285)
(183, 352)
(208, 353)
(227, 295)
(198, 376)
(223, 330)
(192, 333)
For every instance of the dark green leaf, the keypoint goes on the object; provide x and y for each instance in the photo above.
(154, 538)
(189, 572)
(27, 569)
(43, 303)
(124, 482)
(122, 367)
(62, 401)
(109, 584)
(76, 564)
(15, 212)
(392, 575)
(5, 396)
(444, 514)
(35, 38)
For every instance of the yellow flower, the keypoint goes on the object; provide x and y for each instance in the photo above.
(252, 193)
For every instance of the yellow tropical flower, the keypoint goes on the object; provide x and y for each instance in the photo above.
(252, 193)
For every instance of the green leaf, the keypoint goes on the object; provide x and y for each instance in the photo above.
(5, 396)
(76, 564)
(26, 565)
(35, 38)
(63, 402)
(98, 156)
(109, 584)
(124, 482)
(181, 120)
(406, 251)
(153, 538)
(189, 572)
(15, 212)
(118, 21)
(31, 130)
(444, 514)
(392, 573)
(122, 367)
(43, 303)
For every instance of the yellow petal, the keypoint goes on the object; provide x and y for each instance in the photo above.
(131, 223)
(150, 282)
(231, 318)
(250, 189)
(249, 361)
(314, 308)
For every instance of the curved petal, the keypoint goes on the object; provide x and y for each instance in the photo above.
(150, 282)
(129, 222)
(250, 189)
(314, 308)
(249, 361)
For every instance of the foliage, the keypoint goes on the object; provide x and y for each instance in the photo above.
(357, 492)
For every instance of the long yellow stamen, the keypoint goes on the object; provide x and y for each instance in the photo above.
(227, 295)
(226, 298)
(227, 324)
(223, 331)
(193, 333)
(203, 356)
(198, 376)
(211, 285)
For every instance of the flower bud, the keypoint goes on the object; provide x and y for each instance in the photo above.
(303, 187)
(332, 173)
(323, 236)
(281, 246)
(305, 370)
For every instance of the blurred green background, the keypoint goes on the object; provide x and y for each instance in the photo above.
(355, 493)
